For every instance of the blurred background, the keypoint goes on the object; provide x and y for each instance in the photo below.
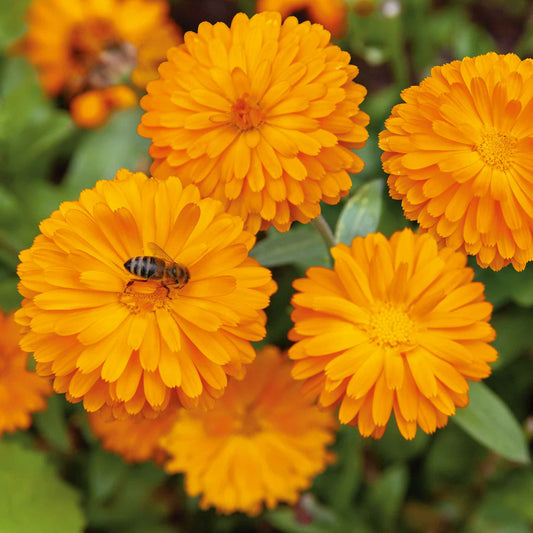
(440, 483)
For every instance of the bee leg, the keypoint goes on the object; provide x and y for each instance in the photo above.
(132, 281)
(168, 290)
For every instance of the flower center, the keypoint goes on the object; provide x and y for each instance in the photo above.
(390, 326)
(249, 424)
(141, 297)
(100, 57)
(496, 148)
(246, 114)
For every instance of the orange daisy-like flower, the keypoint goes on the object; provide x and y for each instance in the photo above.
(262, 116)
(136, 440)
(128, 344)
(261, 444)
(22, 392)
(396, 325)
(459, 155)
(90, 45)
(330, 13)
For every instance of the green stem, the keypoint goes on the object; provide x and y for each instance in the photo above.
(324, 231)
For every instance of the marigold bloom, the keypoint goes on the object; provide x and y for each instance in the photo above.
(84, 45)
(126, 345)
(262, 116)
(396, 325)
(261, 444)
(136, 440)
(22, 392)
(330, 13)
(459, 155)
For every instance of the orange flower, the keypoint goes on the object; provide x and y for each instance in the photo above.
(82, 45)
(136, 440)
(21, 392)
(396, 325)
(92, 108)
(261, 444)
(458, 152)
(262, 116)
(330, 13)
(122, 343)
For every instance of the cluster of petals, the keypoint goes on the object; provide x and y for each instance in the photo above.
(459, 152)
(396, 326)
(91, 45)
(135, 440)
(332, 14)
(263, 116)
(263, 442)
(22, 391)
(130, 346)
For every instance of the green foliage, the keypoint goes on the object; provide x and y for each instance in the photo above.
(488, 420)
(473, 475)
(32, 493)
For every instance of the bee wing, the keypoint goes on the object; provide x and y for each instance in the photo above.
(157, 251)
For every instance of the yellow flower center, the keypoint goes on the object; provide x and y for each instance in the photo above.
(249, 424)
(496, 148)
(143, 297)
(390, 326)
(246, 114)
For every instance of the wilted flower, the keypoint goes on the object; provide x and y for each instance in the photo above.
(126, 344)
(262, 116)
(22, 391)
(262, 443)
(459, 155)
(79, 46)
(397, 325)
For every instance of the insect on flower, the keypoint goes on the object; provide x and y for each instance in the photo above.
(160, 266)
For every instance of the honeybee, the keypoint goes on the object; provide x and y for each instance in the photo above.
(160, 267)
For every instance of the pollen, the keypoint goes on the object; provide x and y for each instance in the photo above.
(145, 297)
(390, 326)
(496, 149)
(246, 114)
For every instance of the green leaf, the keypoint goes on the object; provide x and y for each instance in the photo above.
(11, 20)
(385, 497)
(513, 327)
(488, 420)
(32, 496)
(9, 297)
(52, 424)
(361, 213)
(300, 246)
(106, 472)
(104, 151)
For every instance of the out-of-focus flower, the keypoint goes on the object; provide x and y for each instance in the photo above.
(262, 116)
(330, 13)
(459, 155)
(128, 345)
(22, 392)
(81, 46)
(136, 440)
(397, 325)
(92, 108)
(261, 444)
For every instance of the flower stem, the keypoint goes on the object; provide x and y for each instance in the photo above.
(324, 231)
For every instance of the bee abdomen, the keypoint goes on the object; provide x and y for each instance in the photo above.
(145, 267)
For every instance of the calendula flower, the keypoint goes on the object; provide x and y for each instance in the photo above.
(261, 444)
(330, 13)
(396, 325)
(22, 392)
(135, 439)
(262, 116)
(125, 344)
(459, 155)
(86, 45)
